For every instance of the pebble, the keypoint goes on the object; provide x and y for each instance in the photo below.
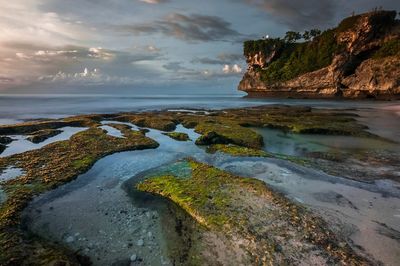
(69, 239)
(140, 242)
(134, 257)
(149, 234)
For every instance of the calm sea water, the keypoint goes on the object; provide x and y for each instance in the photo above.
(382, 117)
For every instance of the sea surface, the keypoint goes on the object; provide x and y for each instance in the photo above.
(99, 216)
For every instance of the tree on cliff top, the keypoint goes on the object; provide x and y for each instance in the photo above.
(292, 36)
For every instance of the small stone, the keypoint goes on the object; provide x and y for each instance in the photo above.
(140, 242)
(134, 257)
(149, 234)
(69, 239)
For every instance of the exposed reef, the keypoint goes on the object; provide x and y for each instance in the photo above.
(358, 59)
(246, 218)
(235, 211)
(177, 136)
(42, 135)
(45, 169)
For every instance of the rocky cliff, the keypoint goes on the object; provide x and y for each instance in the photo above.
(358, 59)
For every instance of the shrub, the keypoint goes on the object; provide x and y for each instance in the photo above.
(389, 48)
(300, 58)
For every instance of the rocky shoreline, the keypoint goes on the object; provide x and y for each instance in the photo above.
(225, 131)
(358, 59)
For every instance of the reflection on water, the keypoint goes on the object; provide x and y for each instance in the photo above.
(10, 173)
(277, 141)
(21, 144)
(112, 131)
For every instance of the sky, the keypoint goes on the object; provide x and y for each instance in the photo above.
(118, 46)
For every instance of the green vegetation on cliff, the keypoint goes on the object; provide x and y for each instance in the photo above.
(295, 58)
(280, 60)
(264, 46)
(390, 48)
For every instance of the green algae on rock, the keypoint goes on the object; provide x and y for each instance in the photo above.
(263, 226)
(179, 136)
(61, 162)
(224, 132)
(155, 120)
(42, 135)
(45, 169)
(235, 150)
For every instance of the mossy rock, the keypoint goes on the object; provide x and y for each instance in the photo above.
(179, 136)
(42, 135)
(47, 168)
(5, 140)
(150, 120)
(224, 132)
(237, 210)
(235, 150)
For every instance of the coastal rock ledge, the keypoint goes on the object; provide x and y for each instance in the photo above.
(360, 58)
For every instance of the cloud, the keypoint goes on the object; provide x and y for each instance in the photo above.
(6, 80)
(234, 69)
(21, 63)
(221, 59)
(189, 28)
(174, 66)
(299, 15)
(152, 48)
(154, 1)
(86, 77)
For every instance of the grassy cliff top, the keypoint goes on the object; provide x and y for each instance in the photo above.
(290, 58)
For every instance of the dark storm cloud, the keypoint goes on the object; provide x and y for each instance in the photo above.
(221, 59)
(306, 14)
(299, 15)
(190, 28)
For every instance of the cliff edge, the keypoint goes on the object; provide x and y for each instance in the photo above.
(358, 59)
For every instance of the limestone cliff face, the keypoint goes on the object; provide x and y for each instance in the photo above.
(365, 63)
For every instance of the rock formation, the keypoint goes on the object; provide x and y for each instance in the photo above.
(358, 59)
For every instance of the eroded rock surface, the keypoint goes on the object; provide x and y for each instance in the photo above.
(358, 59)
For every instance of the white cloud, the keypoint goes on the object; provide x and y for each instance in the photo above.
(99, 53)
(152, 48)
(86, 77)
(234, 69)
(25, 22)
